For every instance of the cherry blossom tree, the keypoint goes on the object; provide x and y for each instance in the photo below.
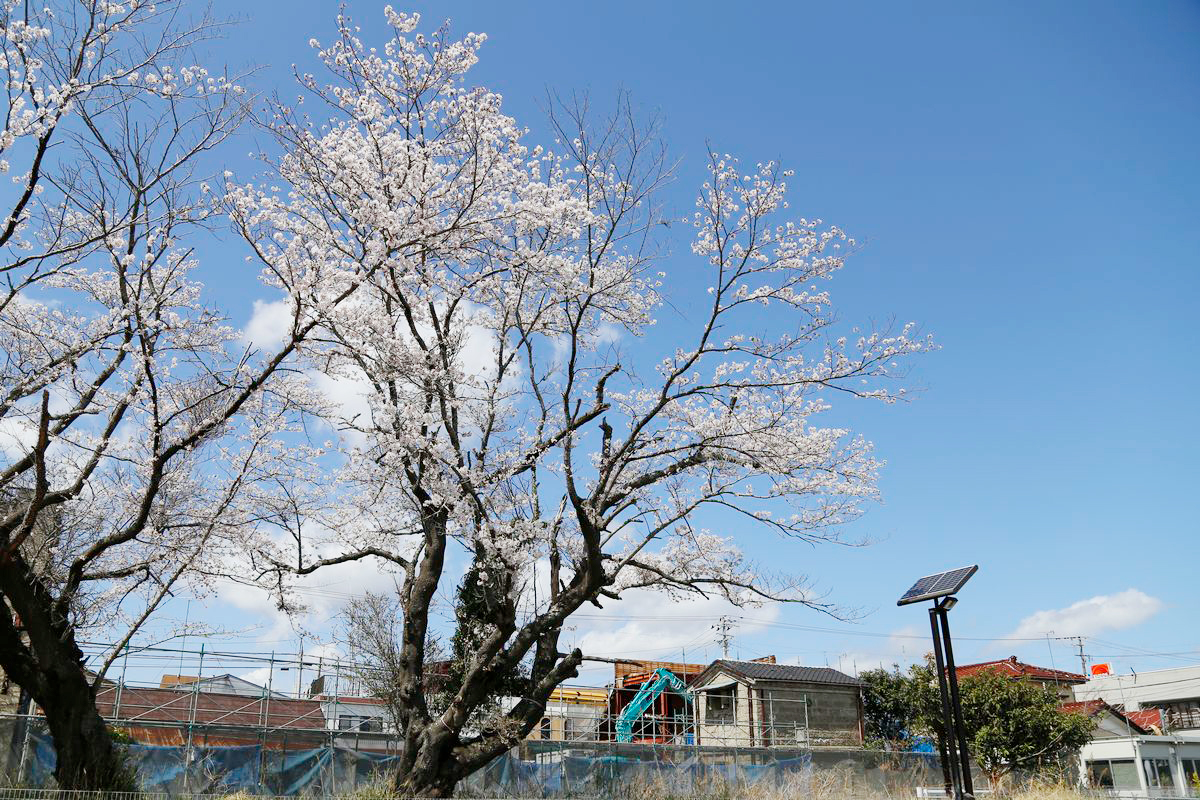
(137, 431)
(501, 416)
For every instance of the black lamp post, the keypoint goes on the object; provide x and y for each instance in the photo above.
(941, 588)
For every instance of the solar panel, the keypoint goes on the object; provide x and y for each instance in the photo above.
(939, 584)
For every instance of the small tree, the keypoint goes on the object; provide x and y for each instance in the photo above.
(475, 611)
(1011, 724)
(887, 708)
(1019, 725)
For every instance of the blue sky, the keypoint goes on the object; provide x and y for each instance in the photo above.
(1026, 178)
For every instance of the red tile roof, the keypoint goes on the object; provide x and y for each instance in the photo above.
(1147, 718)
(1140, 721)
(1018, 669)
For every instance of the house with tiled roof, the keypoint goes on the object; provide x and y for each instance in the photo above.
(760, 704)
(1173, 692)
(1110, 721)
(1063, 683)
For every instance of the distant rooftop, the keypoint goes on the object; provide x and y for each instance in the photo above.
(1018, 669)
(759, 671)
(1138, 721)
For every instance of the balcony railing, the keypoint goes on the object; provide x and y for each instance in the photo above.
(1183, 720)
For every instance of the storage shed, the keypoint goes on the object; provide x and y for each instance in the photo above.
(755, 704)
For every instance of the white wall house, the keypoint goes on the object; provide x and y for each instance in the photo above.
(363, 714)
(1142, 766)
(1176, 691)
(756, 704)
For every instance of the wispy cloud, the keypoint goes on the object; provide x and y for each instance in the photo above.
(1111, 612)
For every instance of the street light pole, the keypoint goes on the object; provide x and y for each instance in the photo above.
(955, 700)
(952, 745)
(949, 746)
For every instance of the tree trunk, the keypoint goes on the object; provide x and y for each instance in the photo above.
(428, 774)
(440, 760)
(43, 658)
(424, 785)
(87, 756)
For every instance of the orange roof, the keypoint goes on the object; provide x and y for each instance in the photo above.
(176, 680)
(1094, 707)
(1018, 669)
(1147, 718)
(580, 696)
(637, 672)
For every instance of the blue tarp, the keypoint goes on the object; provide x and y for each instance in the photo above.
(327, 771)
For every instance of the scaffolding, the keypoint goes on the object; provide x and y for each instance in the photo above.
(205, 711)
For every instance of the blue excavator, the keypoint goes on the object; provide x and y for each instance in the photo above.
(661, 680)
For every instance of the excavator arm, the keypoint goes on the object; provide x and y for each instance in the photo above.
(663, 679)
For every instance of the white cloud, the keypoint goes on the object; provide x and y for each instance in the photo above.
(350, 396)
(17, 437)
(648, 625)
(268, 325)
(323, 596)
(259, 676)
(1089, 617)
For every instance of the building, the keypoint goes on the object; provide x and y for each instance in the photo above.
(573, 714)
(1110, 722)
(1175, 692)
(670, 718)
(756, 704)
(180, 714)
(367, 714)
(1060, 682)
(1142, 766)
(216, 684)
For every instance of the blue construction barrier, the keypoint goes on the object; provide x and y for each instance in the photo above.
(549, 769)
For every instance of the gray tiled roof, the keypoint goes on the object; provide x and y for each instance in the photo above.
(757, 670)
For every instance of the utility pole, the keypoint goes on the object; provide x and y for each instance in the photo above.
(723, 628)
(1082, 657)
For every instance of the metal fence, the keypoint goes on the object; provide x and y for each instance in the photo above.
(306, 728)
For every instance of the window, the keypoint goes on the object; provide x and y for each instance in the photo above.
(358, 722)
(1099, 775)
(1112, 775)
(719, 705)
(1158, 773)
(544, 728)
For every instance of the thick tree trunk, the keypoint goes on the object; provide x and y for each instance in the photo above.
(440, 760)
(426, 784)
(87, 756)
(431, 772)
(42, 657)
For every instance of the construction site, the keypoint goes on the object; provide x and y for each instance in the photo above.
(212, 730)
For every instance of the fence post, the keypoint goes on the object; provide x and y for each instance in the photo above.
(333, 722)
(121, 685)
(25, 715)
(264, 710)
(191, 724)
